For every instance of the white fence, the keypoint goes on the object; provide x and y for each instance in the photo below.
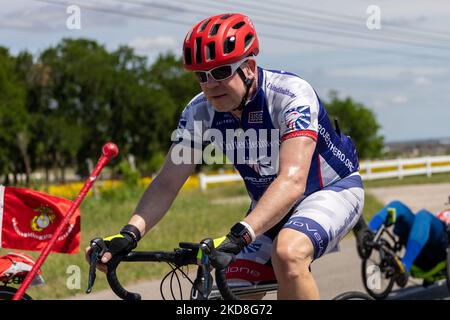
(370, 170)
(399, 168)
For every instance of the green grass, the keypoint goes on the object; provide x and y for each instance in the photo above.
(192, 217)
(422, 179)
(371, 206)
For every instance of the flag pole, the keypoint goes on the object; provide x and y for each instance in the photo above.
(109, 151)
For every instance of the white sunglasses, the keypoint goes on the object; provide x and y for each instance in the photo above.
(219, 73)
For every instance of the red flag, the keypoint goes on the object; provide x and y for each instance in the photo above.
(29, 218)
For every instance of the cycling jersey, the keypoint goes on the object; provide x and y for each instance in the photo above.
(289, 107)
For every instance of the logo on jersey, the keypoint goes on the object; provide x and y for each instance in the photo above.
(255, 117)
(298, 118)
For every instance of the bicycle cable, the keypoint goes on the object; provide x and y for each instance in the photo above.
(173, 273)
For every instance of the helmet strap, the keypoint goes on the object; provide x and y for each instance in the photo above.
(248, 84)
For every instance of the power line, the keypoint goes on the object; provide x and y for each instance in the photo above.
(290, 26)
(117, 12)
(320, 28)
(410, 29)
(278, 37)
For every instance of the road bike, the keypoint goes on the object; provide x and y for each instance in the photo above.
(204, 256)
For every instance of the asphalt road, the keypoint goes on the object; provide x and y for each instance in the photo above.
(338, 272)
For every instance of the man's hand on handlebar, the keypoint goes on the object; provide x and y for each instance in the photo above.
(239, 237)
(118, 244)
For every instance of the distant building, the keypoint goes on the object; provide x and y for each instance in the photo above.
(417, 148)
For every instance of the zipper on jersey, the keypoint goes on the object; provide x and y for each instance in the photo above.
(239, 120)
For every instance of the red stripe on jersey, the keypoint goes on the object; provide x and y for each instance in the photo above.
(303, 133)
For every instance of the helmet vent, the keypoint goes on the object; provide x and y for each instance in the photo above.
(226, 16)
(187, 56)
(248, 40)
(238, 25)
(198, 50)
(188, 36)
(229, 45)
(211, 51)
(214, 30)
(203, 26)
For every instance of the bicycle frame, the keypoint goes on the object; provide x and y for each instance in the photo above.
(187, 254)
(381, 231)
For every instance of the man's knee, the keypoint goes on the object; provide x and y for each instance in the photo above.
(292, 253)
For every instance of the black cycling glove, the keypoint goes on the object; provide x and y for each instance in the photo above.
(239, 237)
(123, 242)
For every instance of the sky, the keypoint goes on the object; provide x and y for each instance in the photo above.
(391, 56)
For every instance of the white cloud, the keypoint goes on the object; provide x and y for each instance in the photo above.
(386, 71)
(400, 99)
(379, 104)
(53, 17)
(423, 81)
(41, 18)
(147, 44)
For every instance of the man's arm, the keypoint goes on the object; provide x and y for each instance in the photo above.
(290, 184)
(158, 197)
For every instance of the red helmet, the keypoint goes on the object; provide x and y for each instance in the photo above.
(444, 216)
(219, 40)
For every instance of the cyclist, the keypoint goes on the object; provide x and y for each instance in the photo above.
(303, 201)
(424, 234)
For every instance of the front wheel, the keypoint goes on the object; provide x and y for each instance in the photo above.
(353, 295)
(7, 293)
(378, 278)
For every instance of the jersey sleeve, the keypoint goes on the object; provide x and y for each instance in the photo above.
(193, 122)
(299, 114)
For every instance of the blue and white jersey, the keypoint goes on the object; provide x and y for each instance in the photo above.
(286, 106)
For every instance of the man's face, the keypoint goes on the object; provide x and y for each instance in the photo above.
(227, 94)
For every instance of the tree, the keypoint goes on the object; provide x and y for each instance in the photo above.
(13, 120)
(358, 122)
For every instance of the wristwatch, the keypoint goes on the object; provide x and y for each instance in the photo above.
(241, 231)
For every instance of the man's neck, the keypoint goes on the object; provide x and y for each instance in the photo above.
(251, 92)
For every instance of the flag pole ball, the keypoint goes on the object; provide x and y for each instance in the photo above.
(110, 150)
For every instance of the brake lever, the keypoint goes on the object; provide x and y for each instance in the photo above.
(207, 248)
(98, 248)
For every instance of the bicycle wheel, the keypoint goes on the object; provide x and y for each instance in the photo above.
(378, 277)
(362, 237)
(7, 293)
(353, 295)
